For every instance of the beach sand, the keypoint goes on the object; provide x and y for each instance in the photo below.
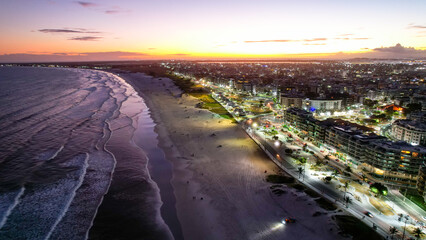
(219, 174)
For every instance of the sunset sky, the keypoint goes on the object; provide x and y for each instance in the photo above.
(46, 30)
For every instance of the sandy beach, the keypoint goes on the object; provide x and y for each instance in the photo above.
(219, 174)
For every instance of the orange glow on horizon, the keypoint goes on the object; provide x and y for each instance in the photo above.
(219, 29)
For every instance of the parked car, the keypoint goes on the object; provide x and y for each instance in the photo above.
(369, 214)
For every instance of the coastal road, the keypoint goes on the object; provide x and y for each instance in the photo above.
(328, 191)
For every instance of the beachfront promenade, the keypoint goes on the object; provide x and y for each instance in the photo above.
(275, 149)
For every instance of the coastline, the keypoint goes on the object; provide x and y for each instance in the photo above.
(219, 173)
(131, 207)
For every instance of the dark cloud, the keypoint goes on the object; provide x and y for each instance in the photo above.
(116, 10)
(287, 40)
(66, 30)
(58, 31)
(398, 48)
(72, 57)
(112, 11)
(394, 52)
(102, 8)
(85, 38)
(86, 4)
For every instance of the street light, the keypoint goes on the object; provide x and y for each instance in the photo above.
(277, 143)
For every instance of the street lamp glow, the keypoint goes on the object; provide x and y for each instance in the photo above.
(277, 143)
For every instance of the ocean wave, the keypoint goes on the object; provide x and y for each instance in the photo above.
(70, 199)
(57, 148)
(8, 202)
(43, 202)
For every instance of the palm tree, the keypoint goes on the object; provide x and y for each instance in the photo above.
(392, 231)
(346, 185)
(417, 232)
(300, 171)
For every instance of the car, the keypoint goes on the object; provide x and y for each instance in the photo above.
(288, 220)
(369, 214)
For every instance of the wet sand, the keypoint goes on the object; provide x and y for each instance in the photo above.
(131, 207)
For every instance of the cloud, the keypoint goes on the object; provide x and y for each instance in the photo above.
(287, 40)
(86, 4)
(416, 26)
(152, 48)
(394, 52)
(346, 38)
(72, 57)
(314, 40)
(116, 10)
(398, 48)
(179, 54)
(346, 34)
(268, 41)
(85, 38)
(314, 44)
(74, 31)
(112, 11)
(102, 8)
(66, 30)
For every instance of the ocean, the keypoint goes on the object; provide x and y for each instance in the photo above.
(69, 164)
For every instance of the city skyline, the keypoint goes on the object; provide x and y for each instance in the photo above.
(135, 30)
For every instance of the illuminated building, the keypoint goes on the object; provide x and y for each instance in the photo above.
(394, 163)
(322, 104)
(381, 160)
(409, 131)
(421, 181)
(291, 101)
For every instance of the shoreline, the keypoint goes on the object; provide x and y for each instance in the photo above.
(219, 173)
(159, 169)
(181, 175)
(131, 207)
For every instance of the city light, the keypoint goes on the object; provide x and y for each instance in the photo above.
(277, 143)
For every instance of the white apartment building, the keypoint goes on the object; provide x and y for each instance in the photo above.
(410, 131)
(322, 104)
